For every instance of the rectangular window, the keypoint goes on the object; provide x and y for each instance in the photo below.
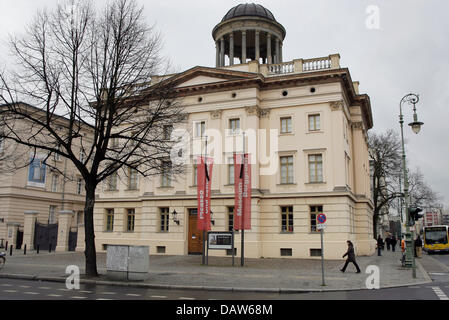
(287, 170)
(132, 179)
(165, 215)
(231, 170)
(286, 125)
(199, 129)
(314, 122)
(287, 219)
(112, 182)
(234, 126)
(79, 186)
(195, 174)
(80, 217)
(314, 212)
(166, 174)
(54, 183)
(167, 132)
(130, 218)
(315, 168)
(52, 215)
(286, 252)
(109, 227)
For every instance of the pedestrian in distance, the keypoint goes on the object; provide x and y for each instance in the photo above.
(393, 243)
(418, 247)
(388, 242)
(350, 257)
(380, 244)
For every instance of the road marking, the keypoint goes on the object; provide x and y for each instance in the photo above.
(76, 297)
(186, 298)
(438, 274)
(159, 297)
(11, 291)
(414, 287)
(133, 295)
(45, 288)
(54, 295)
(85, 291)
(103, 299)
(6, 285)
(108, 292)
(31, 293)
(440, 293)
(26, 287)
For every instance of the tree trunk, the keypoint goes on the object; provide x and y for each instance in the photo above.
(90, 252)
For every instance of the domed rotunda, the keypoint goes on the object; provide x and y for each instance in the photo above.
(248, 32)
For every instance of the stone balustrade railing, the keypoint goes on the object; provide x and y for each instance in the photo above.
(304, 65)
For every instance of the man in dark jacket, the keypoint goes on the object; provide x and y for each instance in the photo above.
(418, 247)
(380, 244)
(351, 257)
(388, 242)
(393, 242)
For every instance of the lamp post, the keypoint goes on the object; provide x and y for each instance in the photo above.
(411, 99)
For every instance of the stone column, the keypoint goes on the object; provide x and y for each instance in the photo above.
(80, 244)
(217, 54)
(222, 52)
(11, 236)
(257, 46)
(269, 58)
(28, 229)
(231, 49)
(276, 59)
(64, 224)
(280, 52)
(243, 46)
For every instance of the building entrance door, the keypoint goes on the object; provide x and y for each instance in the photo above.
(195, 236)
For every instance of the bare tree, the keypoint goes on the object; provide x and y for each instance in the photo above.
(94, 70)
(421, 194)
(384, 152)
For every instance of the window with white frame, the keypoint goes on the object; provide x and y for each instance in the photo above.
(36, 172)
(132, 179)
(52, 215)
(79, 185)
(112, 182)
(166, 174)
(231, 170)
(54, 183)
(199, 129)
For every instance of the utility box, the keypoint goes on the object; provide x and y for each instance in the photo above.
(127, 262)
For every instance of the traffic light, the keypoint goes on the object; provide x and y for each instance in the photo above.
(414, 215)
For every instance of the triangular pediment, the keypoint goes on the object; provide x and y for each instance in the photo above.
(201, 76)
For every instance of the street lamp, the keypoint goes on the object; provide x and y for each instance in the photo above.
(411, 99)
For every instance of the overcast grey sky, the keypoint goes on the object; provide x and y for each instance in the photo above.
(408, 53)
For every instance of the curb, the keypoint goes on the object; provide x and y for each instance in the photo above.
(201, 288)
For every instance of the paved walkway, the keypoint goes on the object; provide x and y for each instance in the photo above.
(267, 275)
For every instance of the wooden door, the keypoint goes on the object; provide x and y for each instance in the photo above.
(195, 235)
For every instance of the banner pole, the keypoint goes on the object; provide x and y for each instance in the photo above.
(204, 231)
(242, 262)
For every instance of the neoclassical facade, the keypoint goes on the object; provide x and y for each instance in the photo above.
(305, 126)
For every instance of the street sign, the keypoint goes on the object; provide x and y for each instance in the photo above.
(321, 226)
(321, 218)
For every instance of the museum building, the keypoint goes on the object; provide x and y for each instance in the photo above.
(310, 153)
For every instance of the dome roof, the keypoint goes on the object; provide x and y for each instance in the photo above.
(249, 10)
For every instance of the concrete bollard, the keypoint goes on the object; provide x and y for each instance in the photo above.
(10, 250)
(25, 249)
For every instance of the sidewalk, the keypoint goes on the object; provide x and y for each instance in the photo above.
(265, 275)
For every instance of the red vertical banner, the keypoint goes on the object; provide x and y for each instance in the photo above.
(204, 182)
(242, 185)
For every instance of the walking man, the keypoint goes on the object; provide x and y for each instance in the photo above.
(380, 244)
(418, 247)
(388, 242)
(351, 257)
(393, 243)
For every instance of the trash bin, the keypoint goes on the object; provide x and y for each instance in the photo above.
(127, 262)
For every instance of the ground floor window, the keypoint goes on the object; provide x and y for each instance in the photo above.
(131, 215)
(287, 219)
(314, 212)
(109, 220)
(164, 219)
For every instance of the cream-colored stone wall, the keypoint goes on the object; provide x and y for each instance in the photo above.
(344, 192)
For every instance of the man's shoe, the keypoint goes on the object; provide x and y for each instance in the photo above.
(358, 271)
(342, 270)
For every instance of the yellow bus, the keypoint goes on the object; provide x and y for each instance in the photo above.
(436, 239)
